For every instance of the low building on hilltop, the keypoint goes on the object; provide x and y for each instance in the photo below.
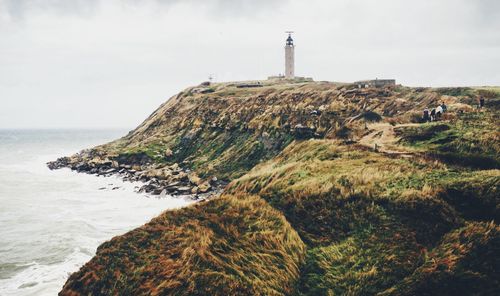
(375, 83)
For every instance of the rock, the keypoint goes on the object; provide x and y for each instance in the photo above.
(114, 188)
(168, 153)
(81, 167)
(165, 173)
(171, 189)
(173, 184)
(204, 187)
(303, 132)
(106, 163)
(194, 179)
(140, 158)
(59, 163)
(183, 189)
(157, 191)
(207, 91)
(112, 170)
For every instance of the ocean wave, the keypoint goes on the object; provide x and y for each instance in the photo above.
(51, 222)
(43, 279)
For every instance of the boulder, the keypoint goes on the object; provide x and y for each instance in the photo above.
(194, 179)
(204, 187)
(183, 189)
(173, 184)
(303, 132)
(157, 191)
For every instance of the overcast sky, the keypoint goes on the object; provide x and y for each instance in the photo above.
(110, 63)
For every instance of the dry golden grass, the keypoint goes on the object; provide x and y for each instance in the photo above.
(227, 246)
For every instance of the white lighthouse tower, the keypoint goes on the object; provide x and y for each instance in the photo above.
(289, 57)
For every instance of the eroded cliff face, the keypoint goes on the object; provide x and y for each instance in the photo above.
(333, 190)
(223, 131)
(227, 131)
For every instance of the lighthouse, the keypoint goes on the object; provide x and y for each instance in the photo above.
(290, 64)
(289, 57)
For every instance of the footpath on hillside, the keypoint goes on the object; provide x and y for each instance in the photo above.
(382, 138)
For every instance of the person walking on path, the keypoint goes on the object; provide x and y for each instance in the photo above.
(439, 112)
(444, 107)
(426, 115)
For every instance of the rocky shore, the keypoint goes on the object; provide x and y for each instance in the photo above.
(158, 179)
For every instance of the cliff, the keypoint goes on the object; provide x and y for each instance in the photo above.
(332, 190)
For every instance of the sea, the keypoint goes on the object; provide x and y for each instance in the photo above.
(51, 222)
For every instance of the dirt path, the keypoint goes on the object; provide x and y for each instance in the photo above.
(383, 138)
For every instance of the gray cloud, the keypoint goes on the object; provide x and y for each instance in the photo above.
(227, 8)
(487, 10)
(19, 8)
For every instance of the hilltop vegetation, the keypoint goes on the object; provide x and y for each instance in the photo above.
(227, 131)
(311, 207)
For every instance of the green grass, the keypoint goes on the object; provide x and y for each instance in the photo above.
(367, 219)
(455, 91)
(372, 259)
(472, 140)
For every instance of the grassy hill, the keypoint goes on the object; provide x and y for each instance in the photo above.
(333, 190)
